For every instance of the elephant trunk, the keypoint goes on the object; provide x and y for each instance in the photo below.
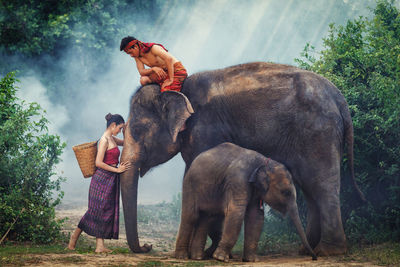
(294, 215)
(129, 192)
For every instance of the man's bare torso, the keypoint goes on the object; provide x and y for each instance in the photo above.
(152, 60)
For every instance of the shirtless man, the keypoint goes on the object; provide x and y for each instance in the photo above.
(164, 69)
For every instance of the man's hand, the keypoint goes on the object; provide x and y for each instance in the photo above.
(161, 74)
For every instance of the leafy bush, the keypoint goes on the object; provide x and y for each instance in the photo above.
(28, 155)
(362, 58)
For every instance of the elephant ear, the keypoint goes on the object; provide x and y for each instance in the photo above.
(176, 108)
(260, 177)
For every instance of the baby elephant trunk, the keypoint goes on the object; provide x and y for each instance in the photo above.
(294, 215)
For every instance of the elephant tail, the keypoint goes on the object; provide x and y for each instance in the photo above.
(349, 139)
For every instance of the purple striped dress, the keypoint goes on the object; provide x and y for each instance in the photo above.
(102, 217)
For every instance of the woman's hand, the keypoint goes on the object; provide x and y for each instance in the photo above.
(124, 166)
(161, 74)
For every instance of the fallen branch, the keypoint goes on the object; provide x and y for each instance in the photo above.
(4, 236)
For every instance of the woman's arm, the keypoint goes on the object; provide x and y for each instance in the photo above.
(101, 150)
(118, 141)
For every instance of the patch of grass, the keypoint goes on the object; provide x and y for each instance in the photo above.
(119, 265)
(184, 264)
(382, 254)
(21, 253)
(18, 260)
(27, 248)
(152, 264)
(120, 250)
(13, 253)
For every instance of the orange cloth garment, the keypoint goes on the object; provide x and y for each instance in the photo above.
(180, 75)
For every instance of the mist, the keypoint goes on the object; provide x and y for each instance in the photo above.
(203, 35)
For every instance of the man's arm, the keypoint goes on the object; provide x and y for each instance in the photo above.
(146, 72)
(142, 70)
(168, 59)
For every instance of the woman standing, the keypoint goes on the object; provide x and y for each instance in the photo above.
(102, 217)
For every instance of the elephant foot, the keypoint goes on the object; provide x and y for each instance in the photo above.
(325, 249)
(197, 255)
(143, 249)
(181, 254)
(221, 255)
(305, 252)
(250, 258)
(209, 252)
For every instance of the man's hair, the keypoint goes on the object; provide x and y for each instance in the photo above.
(125, 41)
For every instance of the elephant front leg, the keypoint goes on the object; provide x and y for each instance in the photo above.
(199, 239)
(254, 221)
(215, 233)
(232, 224)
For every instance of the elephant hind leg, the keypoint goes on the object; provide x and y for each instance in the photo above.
(189, 218)
(333, 239)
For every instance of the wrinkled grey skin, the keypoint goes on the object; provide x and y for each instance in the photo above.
(225, 185)
(294, 116)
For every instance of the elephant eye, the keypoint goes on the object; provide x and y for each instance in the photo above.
(286, 193)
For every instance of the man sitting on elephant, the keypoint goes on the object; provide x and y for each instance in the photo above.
(164, 70)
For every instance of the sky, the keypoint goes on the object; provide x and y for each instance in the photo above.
(203, 35)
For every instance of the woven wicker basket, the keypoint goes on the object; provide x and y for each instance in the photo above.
(86, 156)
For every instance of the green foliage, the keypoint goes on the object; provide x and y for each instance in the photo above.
(362, 58)
(36, 36)
(162, 212)
(383, 254)
(28, 155)
(279, 235)
(35, 27)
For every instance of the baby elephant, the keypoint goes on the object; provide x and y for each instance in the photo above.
(224, 186)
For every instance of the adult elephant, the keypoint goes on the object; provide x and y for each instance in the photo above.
(294, 116)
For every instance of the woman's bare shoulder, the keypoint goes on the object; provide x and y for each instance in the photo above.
(103, 141)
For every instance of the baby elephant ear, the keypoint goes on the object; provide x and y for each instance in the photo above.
(177, 109)
(253, 175)
(260, 178)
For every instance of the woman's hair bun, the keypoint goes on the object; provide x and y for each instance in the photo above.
(114, 118)
(108, 116)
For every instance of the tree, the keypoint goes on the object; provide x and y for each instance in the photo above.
(28, 155)
(35, 35)
(362, 59)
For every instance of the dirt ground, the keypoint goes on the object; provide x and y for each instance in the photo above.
(162, 238)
